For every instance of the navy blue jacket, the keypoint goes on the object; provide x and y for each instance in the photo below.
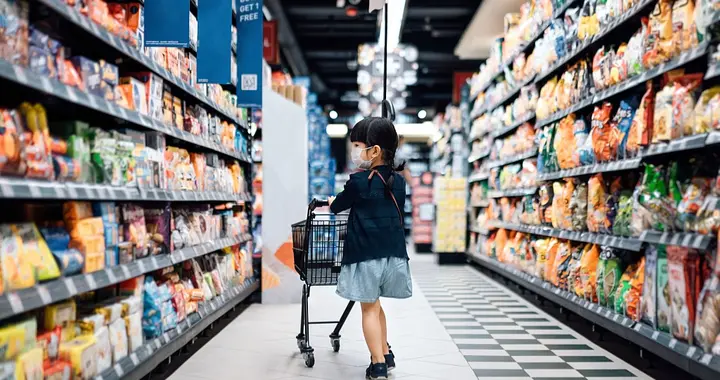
(375, 229)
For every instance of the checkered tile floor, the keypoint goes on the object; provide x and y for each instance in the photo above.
(502, 336)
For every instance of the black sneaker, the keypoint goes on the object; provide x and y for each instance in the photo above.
(377, 371)
(390, 361)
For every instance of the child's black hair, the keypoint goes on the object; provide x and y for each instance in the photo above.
(381, 132)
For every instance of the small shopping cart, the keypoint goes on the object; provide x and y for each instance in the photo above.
(318, 248)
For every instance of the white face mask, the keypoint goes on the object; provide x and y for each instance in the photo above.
(358, 161)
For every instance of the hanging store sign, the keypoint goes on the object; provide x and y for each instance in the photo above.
(271, 46)
(215, 33)
(167, 23)
(250, 53)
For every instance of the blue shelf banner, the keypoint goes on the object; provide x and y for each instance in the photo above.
(214, 40)
(249, 53)
(167, 23)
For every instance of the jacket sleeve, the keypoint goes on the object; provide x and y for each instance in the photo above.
(345, 199)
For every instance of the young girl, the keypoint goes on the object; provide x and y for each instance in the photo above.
(375, 260)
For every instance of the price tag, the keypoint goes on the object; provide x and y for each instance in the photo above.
(111, 276)
(34, 190)
(93, 101)
(126, 272)
(90, 281)
(158, 344)
(7, 190)
(673, 342)
(72, 94)
(118, 370)
(15, 303)
(44, 294)
(70, 285)
(20, 74)
(655, 334)
(706, 359)
(154, 261)
(134, 359)
(616, 317)
(166, 338)
(691, 351)
(141, 265)
(72, 192)
(178, 330)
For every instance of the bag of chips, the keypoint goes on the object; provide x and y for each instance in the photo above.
(707, 327)
(608, 276)
(684, 281)
(561, 267)
(634, 294)
(641, 129)
(703, 118)
(684, 32)
(597, 211)
(683, 104)
(589, 269)
(659, 45)
(604, 139)
(623, 122)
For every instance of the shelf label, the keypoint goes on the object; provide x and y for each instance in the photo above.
(706, 359)
(118, 370)
(655, 334)
(672, 343)
(15, 303)
(691, 351)
(70, 285)
(90, 281)
(134, 359)
(44, 294)
(126, 272)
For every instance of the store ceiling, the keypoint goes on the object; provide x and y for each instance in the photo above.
(328, 39)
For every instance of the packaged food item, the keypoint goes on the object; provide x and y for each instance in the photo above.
(703, 111)
(683, 278)
(683, 23)
(103, 348)
(540, 246)
(619, 300)
(81, 353)
(664, 310)
(134, 330)
(597, 207)
(12, 341)
(707, 326)
(118, 339)
(135, 232)
(609, 271)
(635, 49)
(683, 104)
(550, 268)
(57, 370)
(640, 133)
(61, 315)
(17, 268)
(622, 123)
(29, 365)
(565, 142)
(561, 267)
(574, 281)
(659, 44)
(49, 341)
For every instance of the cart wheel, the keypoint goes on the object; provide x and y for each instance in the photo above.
(335, 344)
(309, 359)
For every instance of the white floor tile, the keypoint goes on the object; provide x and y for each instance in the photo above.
(538, 373)
(485, 352)
(537, 359)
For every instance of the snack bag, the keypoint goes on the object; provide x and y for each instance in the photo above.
(683, 104)
(683, 23)
(550, 269)
(561, 267)
(133, 217)
(703, 118)
(597, 69)
(541, 249)
(692, 201)
(624, 215)
(707, 327)
(648, 304)
(641, 128)
(619, 70)
(578, 206)
(623, 122)
(597, 208)
(627, 295)
(589, 269)
(659, 46)
(664, 303)
(37, 252)
(663, 116)
(608, 276)
(546, 197)
(634, 53)
(683, 272)
(573, 268)
(16, 267)
(565, 142)
(604, 139)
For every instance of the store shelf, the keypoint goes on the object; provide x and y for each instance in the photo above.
(480, 156)
(605, 167)
(630, 244)
(689, 358)
(682, 239)
(484, 203)
(129, 51)
(30, 79)
(142, 361)
(21, 188)
(518, 157)
(479, 230)
(514, 126)
(580, 50)
(630, 83)
(511, 94)
(511, 192)
(477, 177)
(16, 302)
(679, 145)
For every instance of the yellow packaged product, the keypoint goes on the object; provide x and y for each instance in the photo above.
(29, 365)
(81, 352)
(85, 227)
(37, 251)
(663, 115)
(12, 341)
(30, 328)
(111, 312)
(17, 270)
(684, 28)
(550, 262)
(660, 46)
(703, 118)
(541, 248)
(103, 349)
(62, 314)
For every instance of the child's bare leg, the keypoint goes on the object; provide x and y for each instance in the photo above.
(383, 326)
(373, 331)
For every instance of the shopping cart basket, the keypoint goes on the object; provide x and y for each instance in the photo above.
(318, 248)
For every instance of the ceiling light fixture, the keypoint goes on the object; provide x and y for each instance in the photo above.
(396, 15)
(422, 114)
(333, 115)
(337, 130)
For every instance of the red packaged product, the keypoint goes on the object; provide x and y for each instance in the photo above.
(685, 285)
(604, 139)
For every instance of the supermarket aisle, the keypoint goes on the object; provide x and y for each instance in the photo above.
(459, 325)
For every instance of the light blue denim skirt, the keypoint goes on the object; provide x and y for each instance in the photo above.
(367, 281)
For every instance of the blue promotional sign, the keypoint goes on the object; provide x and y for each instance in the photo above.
(214, 40)
(167, 23)
(249, 53)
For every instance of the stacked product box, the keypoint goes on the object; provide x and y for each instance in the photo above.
(450, 224)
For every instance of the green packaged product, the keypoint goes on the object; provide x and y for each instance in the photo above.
(609, 274)
(621, 227)
(664, 313)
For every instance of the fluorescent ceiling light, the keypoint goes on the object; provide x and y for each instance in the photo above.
(333, 114)
(337, 130)
(396, 15)
(426, 129)
(422, 114)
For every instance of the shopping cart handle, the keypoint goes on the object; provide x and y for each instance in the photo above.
(315, 203)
